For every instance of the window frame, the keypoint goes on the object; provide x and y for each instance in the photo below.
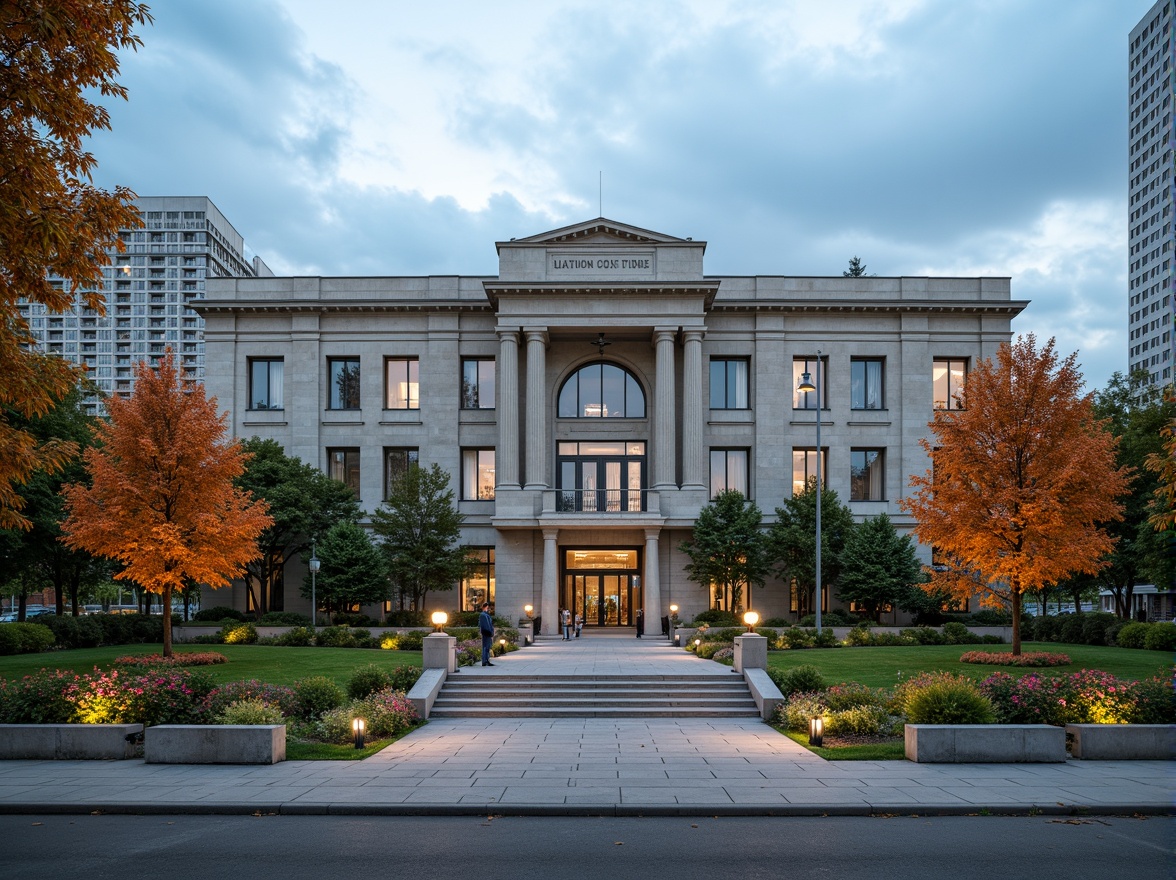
(480, 559)
(864, 363)
(726, 363)
(251, 364)
(950, 404)
(472, 393)
(412, 458)
(345, 393)
(822, 382)
(478, 492)
(348, 465)
(412, 396)
(581, 406)
(807, 451)
(725, 452)
(856, 481)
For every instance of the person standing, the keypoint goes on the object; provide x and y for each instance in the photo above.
(486, 628)
(640, 622)
(565, 618)
(579, 623)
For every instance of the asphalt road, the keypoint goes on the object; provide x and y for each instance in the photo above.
(488, 848)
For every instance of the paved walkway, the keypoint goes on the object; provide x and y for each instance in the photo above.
(591, 767)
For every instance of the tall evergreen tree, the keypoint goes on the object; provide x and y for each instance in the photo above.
(727, 550)
(353, 571)
(879, 567)
(792, 541)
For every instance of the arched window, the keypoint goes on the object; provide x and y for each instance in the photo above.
(601, 390)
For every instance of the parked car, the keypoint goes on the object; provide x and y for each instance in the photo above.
(39, 612)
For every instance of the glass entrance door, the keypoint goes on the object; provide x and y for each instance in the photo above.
(602, 585)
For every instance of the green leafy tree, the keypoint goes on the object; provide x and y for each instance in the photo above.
(303, 502)
(1135, 414)
(420, 527)
(792, 541)
(856, 268)
(727, 552)
(353, 570)
(879, 567)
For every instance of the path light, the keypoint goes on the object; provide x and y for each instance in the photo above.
(529, 610)
(751, 618)
(502, 645)
(440, 618)
(674, 611)
(357, 725)
(816, 730)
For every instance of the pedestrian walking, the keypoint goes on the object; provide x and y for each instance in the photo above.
(486, 628)
(640, 622)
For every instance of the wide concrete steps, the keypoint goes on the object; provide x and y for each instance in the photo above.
(596, 696)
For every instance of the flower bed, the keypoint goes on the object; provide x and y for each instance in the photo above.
(199, 658)
(1088, 696)
(1004, 658)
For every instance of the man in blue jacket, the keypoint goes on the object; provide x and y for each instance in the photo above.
(486, 628)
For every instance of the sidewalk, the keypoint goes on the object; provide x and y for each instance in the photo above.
(591, 767)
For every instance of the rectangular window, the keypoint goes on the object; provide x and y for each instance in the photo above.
(397, 461)
(865, 383)
(343, 465)
(343, 379)
(402, 383)
(477, 383)
(728, 383)
(947, 381)
(808, 399)
(477, 474)
(265, 383)
(804, 467)
(478, 584)
(728, 471)
(866, 475)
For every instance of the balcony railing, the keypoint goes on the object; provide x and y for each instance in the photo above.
(600, 500)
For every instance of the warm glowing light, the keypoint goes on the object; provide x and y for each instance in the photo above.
(750, 619)
(816, 731)
(439, 618)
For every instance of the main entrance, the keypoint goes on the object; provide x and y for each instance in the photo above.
(602, 585)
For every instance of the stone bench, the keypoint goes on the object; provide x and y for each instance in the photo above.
(215, 744)
(68, 742)
(985, 743)
(1122, 742)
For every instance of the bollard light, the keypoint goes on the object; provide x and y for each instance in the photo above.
(357, 725)
(816, 731)
(502, 646)
(439, 618)
(750, 619)
(529, 610)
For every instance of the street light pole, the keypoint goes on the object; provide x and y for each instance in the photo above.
(313, 564)
(806, 385)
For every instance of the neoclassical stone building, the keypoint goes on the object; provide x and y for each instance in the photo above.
(594, 395)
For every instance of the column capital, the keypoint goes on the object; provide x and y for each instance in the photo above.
(693, 335)
(535, 334)
(508, 334)
(653, 534)
(664, 334)
(551, 534)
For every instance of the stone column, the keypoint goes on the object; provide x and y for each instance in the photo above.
(536, 409)
(652, 596)
(506, 458)
(664, 441)
(549, 597)
(694, 471)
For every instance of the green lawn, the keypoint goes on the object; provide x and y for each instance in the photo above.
(880, 667)
(891, 750)
(267, 663)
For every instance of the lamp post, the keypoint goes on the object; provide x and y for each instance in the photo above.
(313, 564)
(806, 385)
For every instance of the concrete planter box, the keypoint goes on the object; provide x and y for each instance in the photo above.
(985, 743)
(68, 742)
(215, 744)
(1122, 742)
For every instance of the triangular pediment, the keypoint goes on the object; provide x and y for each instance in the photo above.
(597, 232)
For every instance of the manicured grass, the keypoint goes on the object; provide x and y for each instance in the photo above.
(892, 750)
(312, 751)
(266, 663)
(880, 667)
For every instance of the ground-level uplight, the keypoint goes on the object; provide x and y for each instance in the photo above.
(357, 726)
(816, 731)
(439, 618)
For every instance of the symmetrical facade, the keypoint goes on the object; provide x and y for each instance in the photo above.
(1151, 185)
(183, 241)
(593, 396)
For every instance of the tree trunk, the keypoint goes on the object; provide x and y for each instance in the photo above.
(1016, 597)
(167, 627)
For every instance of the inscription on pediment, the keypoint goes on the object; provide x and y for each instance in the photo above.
(621, 263)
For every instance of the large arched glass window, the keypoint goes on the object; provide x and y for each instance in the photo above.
(601, 390)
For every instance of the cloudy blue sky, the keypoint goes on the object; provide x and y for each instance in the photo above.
(386, 137)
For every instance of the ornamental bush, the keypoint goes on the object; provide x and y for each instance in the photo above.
(907, 687)
(796, 712)
(194, 658)
(852, 695)
(387, 713)
(707, 650)
(716, 617)
(218, 613)
(335, 637)
(955, 633)
(1161, 637)
(317, 695)
(367, 680)
(74, 632)
(924, 635)
(279, 696)
(295, 637)
(334, 726)
(284, 618)
(1134, 635)
(1094, 627)
(858, 721)
(41, 698)
(404, 677)
(1155, 702)
(25, 638)
(235, 633)
(250, 712)
(1071, 631)
(1007, 658)
(803, 679)
(949, 702)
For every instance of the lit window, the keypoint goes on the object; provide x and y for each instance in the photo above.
(265, 383)
(402, 383)
(728, 383)
(866, 475)
(804, 468)
(601, 391)
(343, 465)
(477, 474)
(808, 399)
(343, 377)
(947, 380)
(477, 383)
(397, 461)
(478, 584)
(728, 469)
(865, 383)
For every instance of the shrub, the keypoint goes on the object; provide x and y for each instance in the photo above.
(907, 687)
(859, 636)
(955, 633)
(116, 628)
(412, 640)
(236, 633)
(44, 697)
(798, 637)
(725, 634)
(989, 617)
(25, 638)
(852, 695)
(1070, 629)
(335, 726)
(1094, 627)
(1045, 629)
(284, 618)
(803, 679)
(858, 721)
(367, 680)
(353, 618)
(469, 652)
(924, 635)
(250, 712)
(1030, 699)
(1161, 637)
(1006, 658)
(74, 632)
(836, 617)
(201, 658)
(335, 637)
(1155, 702)
(387, 713)
(777, 622)
(317, 695)
(283, 698)
(296, 637)
(1111, 635)
(796, 712)
(991, 639)
(406, 618)
(404, 677)
(949, 702)
(717, 617)
(218, 613)
(155, 696)
(1134, 635)
(726, 654)
(707, 650)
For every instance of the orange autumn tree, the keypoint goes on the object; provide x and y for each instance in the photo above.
(1163, 465)
(1022, 476)
(163, 501)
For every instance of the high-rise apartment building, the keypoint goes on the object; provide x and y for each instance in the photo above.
(183, 241)
(1151, 293)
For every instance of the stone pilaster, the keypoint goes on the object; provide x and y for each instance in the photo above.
(652, 594)
(536, 409)
(506, 458)
(694, 465)
(664, 441)
(549, 603)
